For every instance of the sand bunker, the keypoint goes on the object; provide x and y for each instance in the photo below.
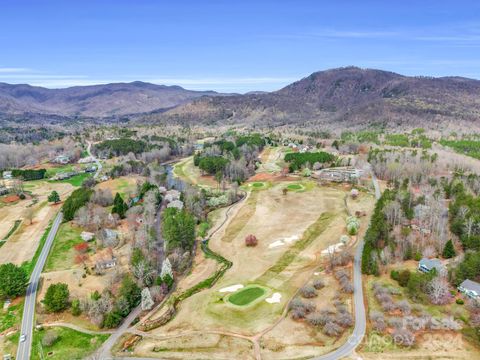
(284, 241)
(275, 298)
(232, 288)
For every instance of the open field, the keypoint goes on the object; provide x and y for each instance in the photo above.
(62, 255)
(70, 344)
(21, 245)
(191, 174)
(123, 185)
(292, 230)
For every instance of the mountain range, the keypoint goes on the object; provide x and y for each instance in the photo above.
(107, 100)
(345, 96)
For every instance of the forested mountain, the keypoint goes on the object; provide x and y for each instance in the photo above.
(346, 96)
(93, 101)
(343, 97)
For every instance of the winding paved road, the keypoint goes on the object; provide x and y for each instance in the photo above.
(24, 348)
(360, 317)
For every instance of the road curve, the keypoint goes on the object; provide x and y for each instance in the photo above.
(24, 348)
(360, 317)
(97, 162)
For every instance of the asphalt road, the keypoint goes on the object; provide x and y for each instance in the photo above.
(24, 348)
(360, 317)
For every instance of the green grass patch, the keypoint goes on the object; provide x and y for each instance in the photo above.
(12, 230)
(246, 296)
(77, 180)
(70, 344)
(258, 184)
(62, 255)
(11, 316)
(59, 169)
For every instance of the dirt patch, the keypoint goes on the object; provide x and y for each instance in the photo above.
(271, 177)
(10, 199)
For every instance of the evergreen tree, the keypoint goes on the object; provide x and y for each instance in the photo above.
(119, 206)
(13, 280)
(56, 298)
(449, 250)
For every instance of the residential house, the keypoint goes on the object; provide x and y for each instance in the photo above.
(426, 265)
(61, 159)
(470, 288)
(3, 190)
(338, 174)
(7, 175)
(87, 236)
(90, 169)
(105, 259)
(86, 160)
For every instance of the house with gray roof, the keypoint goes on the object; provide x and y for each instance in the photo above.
(470, 288)
(426, 265)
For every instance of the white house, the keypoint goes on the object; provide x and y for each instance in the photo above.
(470, 288)
(87, 236)
(7, 175)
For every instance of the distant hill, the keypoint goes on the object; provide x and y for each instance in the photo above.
(93, 101)
(347, 97)
(343, 97)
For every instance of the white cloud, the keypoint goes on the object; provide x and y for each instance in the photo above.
(13, 70)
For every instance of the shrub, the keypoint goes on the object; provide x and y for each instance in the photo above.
(81, 247)
(344, 319)
(318, 284)
(403, 278)
(22, 196)
(460, 301)
(49, 338)
(112, 319)
(403, 337)
(298, 314)
(394, 275)
(404, 307)
(315, 319)
(308, 292)
(76, 310)
(251, 240)
(332, 329)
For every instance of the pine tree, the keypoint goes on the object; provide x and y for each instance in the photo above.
(449, 250)
(119, 206)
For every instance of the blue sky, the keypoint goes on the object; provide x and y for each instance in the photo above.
(232, 45)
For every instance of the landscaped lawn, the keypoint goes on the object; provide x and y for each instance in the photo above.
(77, 180)
(246, 296)
(71, 344)
(62, 255)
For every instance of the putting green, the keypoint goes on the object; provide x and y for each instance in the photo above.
(258, 184)
(295, 187)
(246, 296)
